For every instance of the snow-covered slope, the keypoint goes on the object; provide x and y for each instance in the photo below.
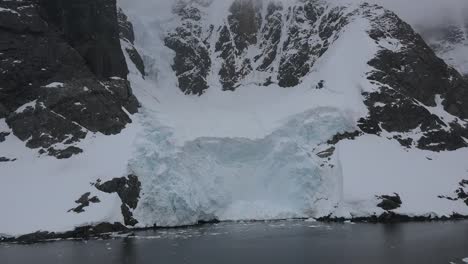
(38, 192)
(442, 24)
(263, 110)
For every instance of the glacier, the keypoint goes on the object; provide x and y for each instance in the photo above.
(278, 176)
(243, 155)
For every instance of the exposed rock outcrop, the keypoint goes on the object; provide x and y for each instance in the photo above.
(5, 159)
(102, 230)
(268, 42)
(460, 194)
(342, 136)
(128, 37)
(62, 72)
(84, 201)
(392, 217)
(258, 38)
(128, 189)
(389, 202)
(240, 32)
(3, 136)
(91, 28)
(413, 80)
(192, 61)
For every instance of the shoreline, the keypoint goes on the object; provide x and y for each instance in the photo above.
(108, 230)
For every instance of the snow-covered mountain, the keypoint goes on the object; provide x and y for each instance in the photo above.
(265, 72)
(257, 109)
(449, 40)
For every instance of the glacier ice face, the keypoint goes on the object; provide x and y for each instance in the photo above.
(277, 176)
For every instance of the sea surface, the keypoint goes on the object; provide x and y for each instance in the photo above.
(282, 242)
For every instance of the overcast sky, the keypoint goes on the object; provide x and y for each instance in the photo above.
(427, 11)
(413, 11)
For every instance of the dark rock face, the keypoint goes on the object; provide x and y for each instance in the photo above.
(64, 153)
(416, 72)
(125, 27)
(128, 215)
(5, 159)
(84, 202)
(392, 217)
(54, 85)
(310, 21)
(271, 32)
(243, 24)
(460, 194)
(43, 128)
(342, 136)
(128, 189)
(279, 45)
(192, 61)
(326, 153)
(128, 36)
(91, 29)
(275, 45)
(411, 80)
(389, 202)
(3, 136)
(102, 230)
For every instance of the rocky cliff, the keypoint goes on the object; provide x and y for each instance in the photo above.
(267, 43)
(62, 73)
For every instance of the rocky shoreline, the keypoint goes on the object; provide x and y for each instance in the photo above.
(109, 230)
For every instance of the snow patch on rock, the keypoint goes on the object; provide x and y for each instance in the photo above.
(31, 105)
(55, 85)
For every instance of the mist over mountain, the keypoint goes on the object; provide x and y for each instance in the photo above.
(443, 24)
(429, 12)
(414, 12)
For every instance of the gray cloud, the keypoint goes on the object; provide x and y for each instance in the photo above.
(427, 11)
(413, 11)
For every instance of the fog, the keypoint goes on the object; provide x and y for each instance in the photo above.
(428, 11)
(413, 11)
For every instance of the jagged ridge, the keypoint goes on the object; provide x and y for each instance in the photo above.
(266, 42)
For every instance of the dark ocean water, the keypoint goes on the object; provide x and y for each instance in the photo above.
(262, 242)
